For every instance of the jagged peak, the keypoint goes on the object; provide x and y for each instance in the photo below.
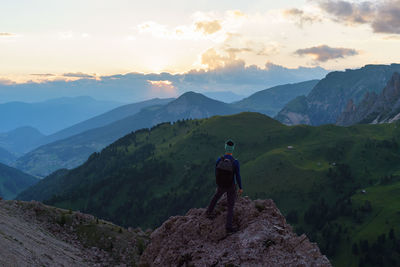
(391, 92)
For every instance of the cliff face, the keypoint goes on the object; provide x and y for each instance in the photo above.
(264, 239)
(329, 98)
(381, 108)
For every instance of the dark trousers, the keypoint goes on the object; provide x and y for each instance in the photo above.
(231, 195)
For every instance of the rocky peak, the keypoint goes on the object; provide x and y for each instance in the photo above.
(264, 239)
(391, 93)
(375, 108)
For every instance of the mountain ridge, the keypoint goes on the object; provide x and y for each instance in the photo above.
(270, 101)
(329, 97)
(51, 115)
(21, 140)
(13, 181)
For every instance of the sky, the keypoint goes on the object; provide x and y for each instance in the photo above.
(46, 40)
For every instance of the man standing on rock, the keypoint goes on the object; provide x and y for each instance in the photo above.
(227, 173)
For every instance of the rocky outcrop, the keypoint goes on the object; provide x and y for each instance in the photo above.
(33, 234)
(264, 239)
(330, 97)
(353, 113)
(375, 108)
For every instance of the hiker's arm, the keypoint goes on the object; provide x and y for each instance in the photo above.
(216, 163)
(238, 178)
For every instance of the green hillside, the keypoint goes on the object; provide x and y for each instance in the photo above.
(13, 181)
(147, 176)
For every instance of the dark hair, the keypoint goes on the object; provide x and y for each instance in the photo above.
(230, 143)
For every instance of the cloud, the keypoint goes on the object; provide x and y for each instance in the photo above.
(392, 37)
(256, 48)
(42, 74)
(6, 34)
(324, 53)
(238, 13)
(300, 16)
(382, 16)
(134, 87)
(78, 75)
(208, 27)
(215, 60)
(157, 30)
(163, 88)
(227, 54)
(6, 82)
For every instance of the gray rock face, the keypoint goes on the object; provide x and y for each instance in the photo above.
(264, 239)
(33, 234)
(330, 97)
(375, 108)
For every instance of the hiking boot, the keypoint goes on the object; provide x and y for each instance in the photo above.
(231, 230)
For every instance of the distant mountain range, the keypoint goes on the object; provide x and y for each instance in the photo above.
(51, 115)
(72, 146)
(374, 108)
(21, 140)
(74, 150)
(271, 101)
(25, 139)
(329, 98)
(6, 157)
(105, 118)
(13, 181)
(224, 96)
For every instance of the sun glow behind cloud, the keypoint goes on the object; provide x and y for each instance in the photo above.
(163, 88)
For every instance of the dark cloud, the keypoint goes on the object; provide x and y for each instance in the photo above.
(382, 16)
(6, 34)
(300, 16)
(78, 75)
(388, 19)
(208, 27)
(324, 53)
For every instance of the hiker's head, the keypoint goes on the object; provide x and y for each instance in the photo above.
(229, 146)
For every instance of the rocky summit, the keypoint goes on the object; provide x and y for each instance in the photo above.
(264, 239)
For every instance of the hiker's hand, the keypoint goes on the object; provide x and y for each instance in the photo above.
(240, 192)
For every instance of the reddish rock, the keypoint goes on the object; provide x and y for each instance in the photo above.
(264, 239)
